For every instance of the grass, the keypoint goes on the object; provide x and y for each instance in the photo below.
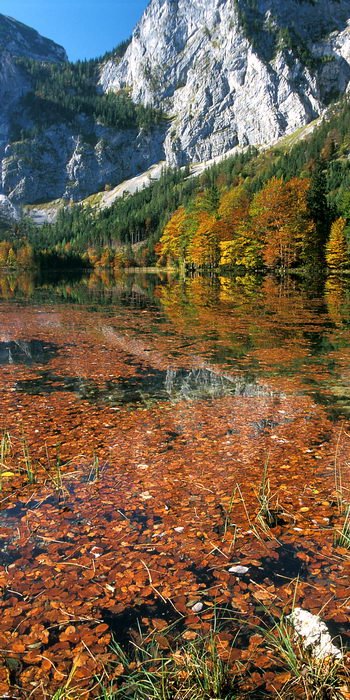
(342, 537)
(164, 668)
(93, 200)
(68, 691)
(95, 471)
(28, 464)
(307, 677)
(266, 515)
(338, 474)
(193, 671)
(53, 204)
(5, 450)
(53, 472)
(228, 524)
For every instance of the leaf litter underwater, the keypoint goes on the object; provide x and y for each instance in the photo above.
(135, 473)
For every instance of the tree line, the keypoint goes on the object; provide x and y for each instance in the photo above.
(285, 225)
(282, 208)
(16, 255)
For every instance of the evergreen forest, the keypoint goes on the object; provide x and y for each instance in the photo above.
(65, 92)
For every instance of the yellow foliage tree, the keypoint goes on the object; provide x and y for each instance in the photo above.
(203, 250)
(25, 256)
(4, 251)
(337, 251)
(173, 243)
(243, 251)
(232, 212)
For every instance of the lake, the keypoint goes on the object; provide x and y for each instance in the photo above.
(156, 433)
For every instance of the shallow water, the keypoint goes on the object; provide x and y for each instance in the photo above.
(142, 411)
(213, 335)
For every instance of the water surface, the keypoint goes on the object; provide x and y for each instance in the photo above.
(139, 414)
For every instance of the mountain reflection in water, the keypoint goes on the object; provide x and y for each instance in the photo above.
(146, 386)
(25, 352)
(189, 338)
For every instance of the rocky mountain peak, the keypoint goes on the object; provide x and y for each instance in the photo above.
(234, 72)
(19, 40)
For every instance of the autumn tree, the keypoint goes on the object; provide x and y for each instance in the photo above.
(203, 249)
(11, 258)
(173, 243)
(93, 256)
(106, 258)
(4, 251)
(243, 251)
(232, 212)
(337, 250)
(25, 256)
(280, 219)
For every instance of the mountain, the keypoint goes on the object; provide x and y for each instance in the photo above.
(19, 40)
(197, 79)
(60, 137)
(234, 71)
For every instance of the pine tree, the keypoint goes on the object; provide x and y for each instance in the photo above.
(314, 249)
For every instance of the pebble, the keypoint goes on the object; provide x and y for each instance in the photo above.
(198, 607)
(179, 529)
(240, 570)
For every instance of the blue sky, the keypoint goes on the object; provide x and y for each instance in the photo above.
(86, 28)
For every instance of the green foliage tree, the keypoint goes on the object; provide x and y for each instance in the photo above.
(225, 191)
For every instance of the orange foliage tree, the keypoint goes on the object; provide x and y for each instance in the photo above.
(16, 256)
(274, 227)
(232, 212)
(281, 220)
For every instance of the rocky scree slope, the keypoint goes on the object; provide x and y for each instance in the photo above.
(234, 71)
(65, 155)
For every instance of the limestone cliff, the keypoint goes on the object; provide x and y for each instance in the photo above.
(234, 71)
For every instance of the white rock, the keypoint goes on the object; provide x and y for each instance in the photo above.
(8, 213)
(239, 570)
(314, 634)
(194, 60)
(197, 608)
(179, 529)
(24, 41)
